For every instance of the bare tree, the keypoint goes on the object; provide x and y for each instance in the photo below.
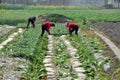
(117, 1)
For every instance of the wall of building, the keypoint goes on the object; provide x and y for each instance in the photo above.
(98, 3)
(87, 2)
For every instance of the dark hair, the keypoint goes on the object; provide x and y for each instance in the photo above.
(34, 18)
(53, 24)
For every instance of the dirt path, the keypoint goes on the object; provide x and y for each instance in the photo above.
(11, 68)
(4, 29)
(10, 38)
(51, 72)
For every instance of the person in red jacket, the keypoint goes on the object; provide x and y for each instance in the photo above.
(32, 21)
(46, 27)
(72, 27)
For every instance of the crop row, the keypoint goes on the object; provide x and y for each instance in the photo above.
(62, 61)
(32, 47)
(87, 47)
(28, 45)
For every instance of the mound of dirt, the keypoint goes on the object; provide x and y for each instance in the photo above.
(109, 28)
(57, 18)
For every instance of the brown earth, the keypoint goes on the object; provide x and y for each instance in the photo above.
(57, 18)
(4, 29)
(111, 30)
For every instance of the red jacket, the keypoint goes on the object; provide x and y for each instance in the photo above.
(48, 25)
(71, 25)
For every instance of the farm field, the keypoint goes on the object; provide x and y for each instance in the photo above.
(58, 56)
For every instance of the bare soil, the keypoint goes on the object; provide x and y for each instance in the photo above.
(4, 29)
(57, 18)
(110, 28)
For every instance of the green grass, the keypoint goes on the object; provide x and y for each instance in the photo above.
(13, 17)
(59, 29)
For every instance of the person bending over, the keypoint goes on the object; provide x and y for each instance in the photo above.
(32, 21)
(46, 27)
(72, 27)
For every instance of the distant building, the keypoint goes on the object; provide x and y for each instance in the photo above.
(87, 2)
(17, 1)
(98, 3)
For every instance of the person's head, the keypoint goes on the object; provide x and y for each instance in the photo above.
(34, 18)
(66, 24)
(53, 24)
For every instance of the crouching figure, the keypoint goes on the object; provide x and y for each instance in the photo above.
(46, 27)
